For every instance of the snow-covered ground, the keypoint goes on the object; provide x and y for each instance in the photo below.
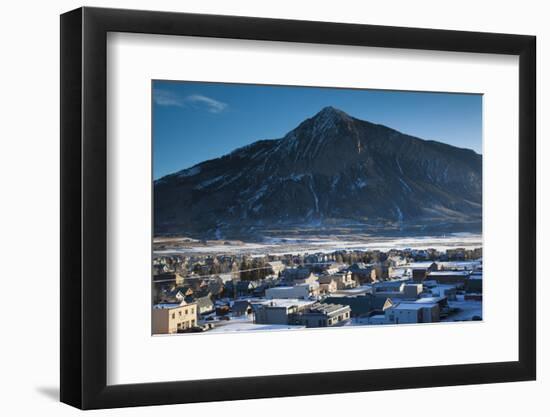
(300, 246)
(463, 310)
(466, 309)
(248, 325)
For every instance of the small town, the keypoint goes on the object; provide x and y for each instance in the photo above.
(194, 293)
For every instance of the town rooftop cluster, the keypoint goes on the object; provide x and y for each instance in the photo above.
(196, 294)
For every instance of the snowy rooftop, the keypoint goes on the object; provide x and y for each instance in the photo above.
(166, 306)
(445, 273)
(413, 265)
(353, 291)
(283, 302)
(327, 308)
(459, 264)
(288, 287)
(429, 300)
(433, 285)
(412, 306)
(251, 300)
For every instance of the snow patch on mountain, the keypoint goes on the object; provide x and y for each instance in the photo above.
(360, 183)
(315, 198)
(190, 172)
(399, 166)
(208, 183)
(405, 185)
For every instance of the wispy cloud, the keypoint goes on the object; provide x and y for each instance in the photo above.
(169, 98)
(212, 105)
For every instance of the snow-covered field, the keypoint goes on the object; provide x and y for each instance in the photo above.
(466, 309)
(242, 326)
(300, 246)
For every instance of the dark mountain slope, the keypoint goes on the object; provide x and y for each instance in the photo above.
(331, 169)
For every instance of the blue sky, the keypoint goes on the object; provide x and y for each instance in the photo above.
(194, 121)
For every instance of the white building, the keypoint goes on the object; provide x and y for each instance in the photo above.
(300, 291)
(412, 312)
(343, 280)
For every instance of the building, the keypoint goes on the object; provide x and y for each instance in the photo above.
(441, 301)
(395, 261)
(379, 272)
(156, 293)
(168, 279)
(362, 290)
(278, 311)
(295, 274)
(343, 280)
(360, 305)
(474, 284)
(301, 291)
(174, 318)
(458, 254)
(215, 286)
(473, 297)
(309, 279)
(263, 285)
(459, 265)
(222, 309)
(324, 315)
(412, 312)
(276, 267)
(361, 272)
(239, 288)
(205, 305)
(175, 295)
(241, 308)
(412, 291)
(449, 277)
(397, 272)
(316, 258)
(446, 290)
(328, 287)
(419, 270)
(160, 269)
(196, 283)
(388, 286)
(332, 268)
(399, 290)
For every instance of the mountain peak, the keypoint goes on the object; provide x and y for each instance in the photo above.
(332, 168)
(330, 112)
(330, 119)
(311, 136)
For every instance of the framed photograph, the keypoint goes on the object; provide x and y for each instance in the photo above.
(260, 208)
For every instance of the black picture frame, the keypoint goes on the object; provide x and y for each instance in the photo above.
(84, 207)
